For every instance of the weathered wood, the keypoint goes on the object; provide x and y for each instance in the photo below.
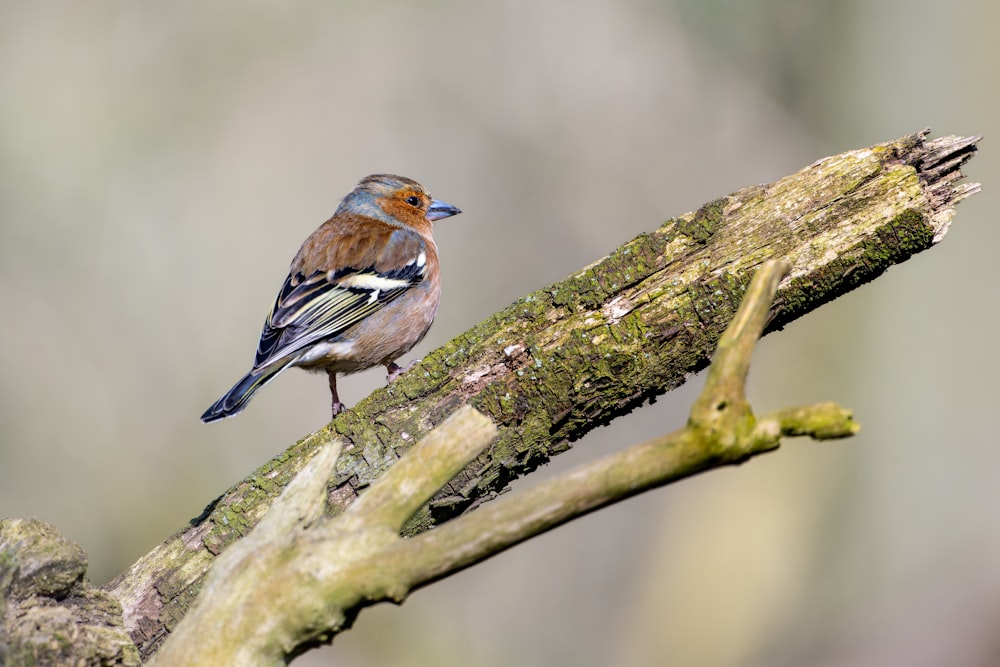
(50, 614)
(299, 577)
(578, 353)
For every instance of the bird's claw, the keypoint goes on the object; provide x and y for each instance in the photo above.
(395, 370)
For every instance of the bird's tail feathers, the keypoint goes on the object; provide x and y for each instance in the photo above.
(234, 400)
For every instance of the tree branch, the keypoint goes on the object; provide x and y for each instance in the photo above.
(578, 353)
(50, 614)
(299, 578)
(722, 430)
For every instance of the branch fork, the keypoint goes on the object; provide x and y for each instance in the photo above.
(300, 577)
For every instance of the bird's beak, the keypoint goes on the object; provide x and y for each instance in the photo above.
(438, 210)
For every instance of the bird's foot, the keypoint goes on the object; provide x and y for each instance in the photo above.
(335, 405)
(395, 370)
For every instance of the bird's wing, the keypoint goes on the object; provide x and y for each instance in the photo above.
(323, 304)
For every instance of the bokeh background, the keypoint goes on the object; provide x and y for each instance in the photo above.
(161, 162)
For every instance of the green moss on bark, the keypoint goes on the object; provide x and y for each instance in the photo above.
(575, 354)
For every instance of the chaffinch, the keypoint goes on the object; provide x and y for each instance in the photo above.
(361, 292)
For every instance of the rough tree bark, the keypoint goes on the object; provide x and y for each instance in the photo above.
(578, 353)
(299, 577)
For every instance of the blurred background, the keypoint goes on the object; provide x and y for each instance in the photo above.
(160, 163)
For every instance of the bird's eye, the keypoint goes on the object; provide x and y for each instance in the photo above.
(413, 200)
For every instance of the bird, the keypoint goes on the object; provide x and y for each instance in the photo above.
(361, 292)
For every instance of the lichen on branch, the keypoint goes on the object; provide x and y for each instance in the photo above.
(300, 577)
(578, 353)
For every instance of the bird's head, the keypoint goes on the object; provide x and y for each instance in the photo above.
(396, 199)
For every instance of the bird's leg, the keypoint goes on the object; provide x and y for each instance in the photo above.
(335, 403)
(395, 370)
